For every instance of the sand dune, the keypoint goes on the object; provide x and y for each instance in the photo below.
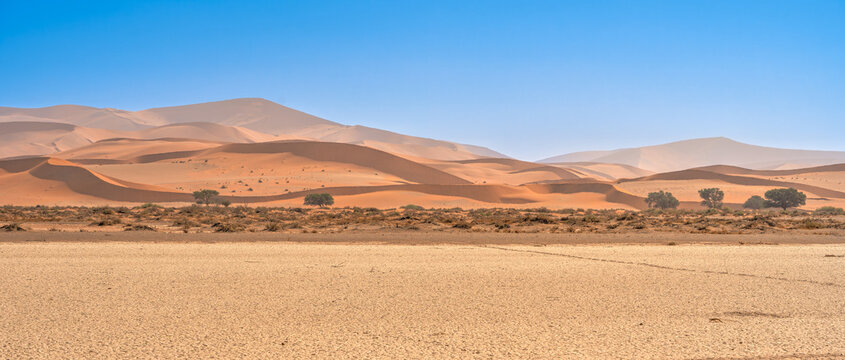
(85, 116)
(705, 152)
(55, 181)
(204, 131)
(46, 138)
(319, 152)
(39, 138)
(123, 150)
(725, 169)
(605, 171)
(255, 114)
(282, 173)
(612, 193)
(58, 182)
(396, 143)
(504, 171)
(254, 120)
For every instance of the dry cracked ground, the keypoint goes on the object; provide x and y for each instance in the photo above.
(189, 299)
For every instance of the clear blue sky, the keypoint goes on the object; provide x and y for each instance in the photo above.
(529, 78)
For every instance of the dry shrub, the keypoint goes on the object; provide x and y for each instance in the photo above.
(810, 224)
(829, 210)
(138, 227)
(227, 227)
(12, 227)
(462, 225)
(535, 218)
(280, 226)
(109, 221)
(185, 222)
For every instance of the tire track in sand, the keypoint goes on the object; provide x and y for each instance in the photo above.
(664, 267)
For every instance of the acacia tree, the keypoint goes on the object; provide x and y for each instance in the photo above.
(662, 200)
(785, 198)
(321, 200)
(205, 196)
(712, 197)
(755, 202)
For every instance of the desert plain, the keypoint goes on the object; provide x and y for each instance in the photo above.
(422, 295)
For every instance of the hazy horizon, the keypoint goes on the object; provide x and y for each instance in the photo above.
(529, 80)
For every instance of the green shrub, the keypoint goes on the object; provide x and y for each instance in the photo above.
(755, 203)
(829, 210)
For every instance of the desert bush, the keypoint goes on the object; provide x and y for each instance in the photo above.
(810, 224)
(536, 218)
(228, 227)
(759, 222)
(501, 225)
(413, 207)
(755, 203)
(462, 225)
(591, 218)
(710, 211)
(102, 210)
(829, 210)
(13, 227)
(279, 226)
(625, 216)
(112, 220)
(185, 222)
(273, 227)
(138, 227)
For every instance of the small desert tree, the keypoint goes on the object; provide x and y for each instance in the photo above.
(662, 200)
(321, 200)
(711, 197)
(205, 196)
(785, 198)
(755, 202)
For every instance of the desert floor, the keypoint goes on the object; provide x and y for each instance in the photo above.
(592, 296)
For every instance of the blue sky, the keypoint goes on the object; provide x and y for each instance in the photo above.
(531, 79)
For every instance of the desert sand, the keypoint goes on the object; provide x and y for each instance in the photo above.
(468, 296)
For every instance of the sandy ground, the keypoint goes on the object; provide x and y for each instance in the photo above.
(468, 299)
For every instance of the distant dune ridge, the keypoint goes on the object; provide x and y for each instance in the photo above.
(256, 152)
(265, 118)
(687, 154)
